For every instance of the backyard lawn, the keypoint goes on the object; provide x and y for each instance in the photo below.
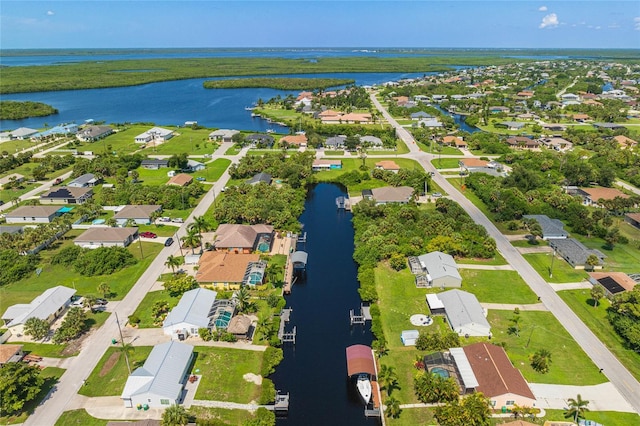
(595, 318)
(623, 257)
(541, 330)
(110, 374)
(143, 311)
(48, 350)
(497, 286)
(562, 271)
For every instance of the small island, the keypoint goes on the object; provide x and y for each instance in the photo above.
(278, 83)
(15, 110)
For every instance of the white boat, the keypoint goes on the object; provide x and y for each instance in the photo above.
(249, 108)
(364, 388)
(270, 131)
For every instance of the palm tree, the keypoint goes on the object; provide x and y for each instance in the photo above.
(244, 299)
(392, 407)
(541, 361)
(175, 415)
(89, 301)
(104, 288)
(516, 324)
(201, 225)
(597, 293)
(388, 378)
(577, 408)
(191, 239)
(126, 349)
(173, 262)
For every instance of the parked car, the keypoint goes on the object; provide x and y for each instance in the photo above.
(168, 242)
(436, 195)
(148, 234)
(164, 219)
(79, 301)
(177, 220)
(200, 178)
(101, 302)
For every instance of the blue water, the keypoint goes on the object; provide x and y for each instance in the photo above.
(314, 371)
(459, 120)
(169, 103)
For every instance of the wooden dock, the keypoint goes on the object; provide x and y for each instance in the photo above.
(281, 405)
(373, 408)
(363, 317)
(288, 277)
(283, 335)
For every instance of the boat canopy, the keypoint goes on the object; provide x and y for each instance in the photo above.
(360, 360)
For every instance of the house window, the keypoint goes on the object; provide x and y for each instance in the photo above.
(510, 402)
(493, 403)
(164, 402)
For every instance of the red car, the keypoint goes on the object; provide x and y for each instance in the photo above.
(148, 234)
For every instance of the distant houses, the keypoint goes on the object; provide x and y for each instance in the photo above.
(139, 214)
(322, 164)
(260, 178)
(94, 133)
(181, 179)
(84, 181)
(223, 135)
(155, 134)
(154, 163)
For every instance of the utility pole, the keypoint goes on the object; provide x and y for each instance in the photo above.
(126, 356)
(553, 256)
(140, 244)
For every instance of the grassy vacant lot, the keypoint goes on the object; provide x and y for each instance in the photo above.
(623, 257)
(27, 289)
(446, 163)
(496, 260)
(222, 370)
(216, 168)
(541, 330)
(595, 318)
(220, 416)
(609, 418)
(51, 376)
(497, 286)
(7, 195)
(143, 311)
(45, 349)
(110, 374)
(562, 271)
(412, 417)
(79, 417)
(187, 140)
(122, 141)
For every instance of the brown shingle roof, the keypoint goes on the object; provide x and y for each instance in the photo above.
(621, 278)
(295, 139)
(495, 373)
(387, 165)
(180, 179)
(7, 351)
(230, 235)
(603, 193)
(106, 235)
(223, 267)
(137, 212)
(33, 211)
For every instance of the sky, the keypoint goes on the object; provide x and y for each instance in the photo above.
(28, 24)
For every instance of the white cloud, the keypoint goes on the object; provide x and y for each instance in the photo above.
(542, 8)
(636, 23)
(549, 21)
(50, 13)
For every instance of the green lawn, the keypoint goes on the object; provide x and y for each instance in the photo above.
(122, 142)
(541, 330)
(412, 417)
(595, 318)
(110, 374)
(51, 376)
(222, 370)
(220, 416)
(623, 257)
(527, 243)
(216, 168)
(562, 271)
(234, 150)
(79, 417)
(497, 286)
(16, 145)
(143, 311)
(27, 289)
(7, 195)
(496, 260)
(185, 139)
(153, 177)
(608, 418)
(330, 152)
(446, 163)
(48, 350)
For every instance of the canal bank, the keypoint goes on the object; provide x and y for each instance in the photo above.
(314, 371)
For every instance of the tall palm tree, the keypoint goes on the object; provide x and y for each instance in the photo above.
(175, 415)
(392, 406)
(104, 288)
(577, 408)
(173, 262)
(191, 239)
(243, 298)
(201, 225)
(388, 378)
(126, 349)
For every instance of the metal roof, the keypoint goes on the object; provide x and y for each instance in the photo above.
(434, 302)
(194, 308)
(161, 373)
(466, 372)
(439, 264)
(41, 307)
(360, 360)
(299, 256)
(463, 310)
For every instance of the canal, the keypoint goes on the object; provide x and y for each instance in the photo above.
(314, 371)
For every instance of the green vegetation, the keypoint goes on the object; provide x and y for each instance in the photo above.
(45, 349)
(91, 262)
(446, 163)
(144, 310)
(110, 374)
(596, 318)
(609, 418)
(497, 286)
(562, 271)
(14, 110)
(278, 83)
(79, 417)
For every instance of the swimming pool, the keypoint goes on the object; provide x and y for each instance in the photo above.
(440, 372)
(65, 209)
(98, 221)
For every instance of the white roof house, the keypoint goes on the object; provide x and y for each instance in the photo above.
(464, 313)
(441, 269)
(159, 382)
(192, 312)
(22, 133)
(153, 134)
(48, 306)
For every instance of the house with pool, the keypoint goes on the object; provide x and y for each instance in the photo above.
(230, 271)
(243, 238)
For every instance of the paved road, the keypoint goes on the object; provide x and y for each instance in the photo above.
(628, 187)
(42, 188)
(100, 340)
(613, 369)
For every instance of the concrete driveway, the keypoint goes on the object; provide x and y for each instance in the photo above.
(603, 397)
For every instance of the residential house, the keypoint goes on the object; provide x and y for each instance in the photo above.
(499, 110)
(295, 140)
(390, 195)
(439, 269)
(63, 129)
(592, 196)
(388, 165)
(556, 143)
(84, 181)
(180, 179)
(48, 306)
(193, 311)
(10, 353)
(371, 141)
(475, 165)
(456, 141)
(551, 228)
(94, 133)
(223, 135)
(33, 214)
(155, 134)
(261, 177)
(625, 142)
(260, 140)
(609, 126)
(21, 133)
(428, 123)
(612, 282)
(497, 378)
(575, 253)
(570, 98)
(580, 118)
(335, 142)
(106, 237)
(464, 313)
(160, 381)
(322, 164)
(194, 166)
(633, 219)
(401, 100)
(154, 163)
(421, 115)
(511, 125)
(225, 270)
(242, 238)
(554, 127)
(139, 214)
(65, 195)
